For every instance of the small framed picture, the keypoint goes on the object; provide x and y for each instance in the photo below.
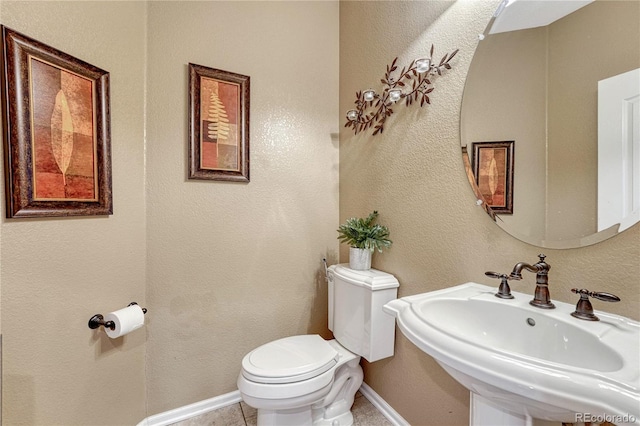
(218, 125)
(493, 172)
(57, 148)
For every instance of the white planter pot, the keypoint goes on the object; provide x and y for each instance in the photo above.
(359, 259)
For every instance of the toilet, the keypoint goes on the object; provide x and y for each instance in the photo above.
(306, 380)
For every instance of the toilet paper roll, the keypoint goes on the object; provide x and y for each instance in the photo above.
(126, 320)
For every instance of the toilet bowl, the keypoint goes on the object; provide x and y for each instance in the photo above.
(295, 386)
(306, 380)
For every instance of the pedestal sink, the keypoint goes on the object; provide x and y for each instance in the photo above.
(521, 362)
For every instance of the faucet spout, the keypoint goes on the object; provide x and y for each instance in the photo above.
(516, 274)
(541, 297)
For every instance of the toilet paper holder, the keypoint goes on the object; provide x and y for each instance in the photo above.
(98, 320)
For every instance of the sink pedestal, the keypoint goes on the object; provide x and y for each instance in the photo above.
(483, 412)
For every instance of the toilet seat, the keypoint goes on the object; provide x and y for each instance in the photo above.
(289, 360)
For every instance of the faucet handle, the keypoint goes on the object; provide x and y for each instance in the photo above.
(584, 310)
(504, 291)
(605, 297)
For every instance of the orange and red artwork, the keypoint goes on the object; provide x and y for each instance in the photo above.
(56, 128)
(491, 176)
(63, 136)
(219, 136)
(493, 172)
(218, 124)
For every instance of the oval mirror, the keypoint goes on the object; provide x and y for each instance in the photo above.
(550, 120)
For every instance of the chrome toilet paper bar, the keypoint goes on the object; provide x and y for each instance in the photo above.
(98, 320)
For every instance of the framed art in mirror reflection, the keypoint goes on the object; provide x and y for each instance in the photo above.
(493, 173)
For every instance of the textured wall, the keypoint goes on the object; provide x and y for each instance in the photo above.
(57, 273)
(232, 266)
(216, 253)
(413, 175)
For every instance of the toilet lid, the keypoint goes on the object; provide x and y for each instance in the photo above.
(289, 360)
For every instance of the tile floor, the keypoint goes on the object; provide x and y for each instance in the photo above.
(240, 414)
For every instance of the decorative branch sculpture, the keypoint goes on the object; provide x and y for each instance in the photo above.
(416, 80)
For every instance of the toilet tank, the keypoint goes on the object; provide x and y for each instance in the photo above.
(355, 310)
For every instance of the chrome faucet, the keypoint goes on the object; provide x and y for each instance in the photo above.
(541, 298)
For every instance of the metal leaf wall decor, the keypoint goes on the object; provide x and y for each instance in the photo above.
(411, 85)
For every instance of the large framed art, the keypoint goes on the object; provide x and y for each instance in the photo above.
(56, 127)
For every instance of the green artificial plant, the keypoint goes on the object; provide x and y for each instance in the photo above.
(364, 233)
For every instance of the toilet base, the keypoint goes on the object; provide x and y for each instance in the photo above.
(345, 419)
(334, 409)
(300, 416)
(291, 417)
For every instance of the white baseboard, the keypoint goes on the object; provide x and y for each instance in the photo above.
(198, 408)
(192, 410)
(376, 400)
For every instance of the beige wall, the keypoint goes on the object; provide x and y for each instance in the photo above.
(414, 176)
(57, 273)
(225, 267)
(211, 256)
(232, 266)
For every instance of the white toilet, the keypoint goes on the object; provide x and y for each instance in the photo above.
(306, 380)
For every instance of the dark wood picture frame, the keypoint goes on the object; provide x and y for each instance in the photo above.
(493, 172)
(218, 124)
(56, 128)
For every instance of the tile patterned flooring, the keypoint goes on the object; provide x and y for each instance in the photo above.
(240, 414)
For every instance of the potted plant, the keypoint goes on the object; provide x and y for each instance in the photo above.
(363, 236)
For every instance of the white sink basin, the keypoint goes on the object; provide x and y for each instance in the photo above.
(540, 363)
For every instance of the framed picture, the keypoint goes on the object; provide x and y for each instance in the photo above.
(493, 172)
(218, 125)
(57, 149)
